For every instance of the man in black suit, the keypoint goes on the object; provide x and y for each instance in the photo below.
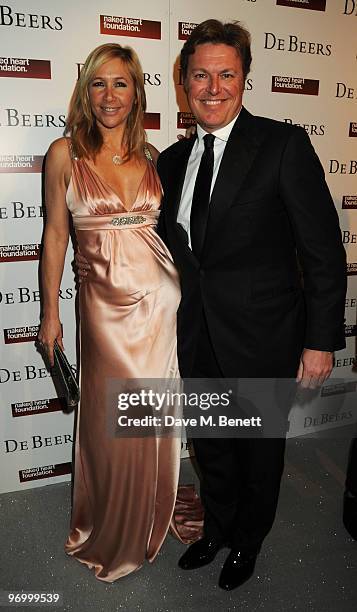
(244, 202)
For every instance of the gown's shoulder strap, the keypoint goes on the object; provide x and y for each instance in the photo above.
(71, 149)
(148, 153)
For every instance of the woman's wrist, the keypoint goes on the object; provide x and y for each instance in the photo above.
(49, 316)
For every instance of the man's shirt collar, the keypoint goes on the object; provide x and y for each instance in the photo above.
(222, 134)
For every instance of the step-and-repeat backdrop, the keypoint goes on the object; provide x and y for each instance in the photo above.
(304, 72)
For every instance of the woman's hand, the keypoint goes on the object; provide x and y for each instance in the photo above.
(50, 330)
(81, 266)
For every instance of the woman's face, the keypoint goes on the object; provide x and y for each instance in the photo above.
(111, 94)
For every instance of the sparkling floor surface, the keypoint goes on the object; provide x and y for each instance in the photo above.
(308, 562)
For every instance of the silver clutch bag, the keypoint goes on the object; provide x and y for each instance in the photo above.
(67, 382)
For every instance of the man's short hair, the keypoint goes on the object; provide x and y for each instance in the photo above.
(216, 32)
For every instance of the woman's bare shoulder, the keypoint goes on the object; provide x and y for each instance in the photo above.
(58, 155)
(60, 148)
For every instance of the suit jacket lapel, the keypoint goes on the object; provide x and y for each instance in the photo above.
(238, 157)
(237, 160)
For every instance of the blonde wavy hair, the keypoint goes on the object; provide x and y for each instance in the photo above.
(81, 124)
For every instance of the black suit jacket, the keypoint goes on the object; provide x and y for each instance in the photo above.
(271, 214)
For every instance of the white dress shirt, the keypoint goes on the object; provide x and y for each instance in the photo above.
(220, 141)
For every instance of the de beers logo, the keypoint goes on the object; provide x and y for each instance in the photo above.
(130, 26)
(295, 85)
(345, 91)
(24, 295)
(350, 7)
(349, 237)
(313, 5)
(293, 44)
(312, 129)
(9, 17)
(19, 210)
(339, 167)
(13, 117)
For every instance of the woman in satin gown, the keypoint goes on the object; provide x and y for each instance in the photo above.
(103, 172)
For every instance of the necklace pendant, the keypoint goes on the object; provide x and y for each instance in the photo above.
(117, 160)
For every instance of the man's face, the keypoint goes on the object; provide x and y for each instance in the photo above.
(214, 85)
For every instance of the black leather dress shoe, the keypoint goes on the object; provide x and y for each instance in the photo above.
(199, 554)
(350, 514)
(237, 569)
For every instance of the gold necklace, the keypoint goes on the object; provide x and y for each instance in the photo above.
(116, 158)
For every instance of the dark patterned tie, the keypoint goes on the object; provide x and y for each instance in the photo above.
(201, 197)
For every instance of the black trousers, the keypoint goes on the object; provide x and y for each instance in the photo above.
(240, 477)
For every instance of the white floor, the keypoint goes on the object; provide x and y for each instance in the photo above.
(308, 562)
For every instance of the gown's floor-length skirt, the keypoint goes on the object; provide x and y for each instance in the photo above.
(124, 488)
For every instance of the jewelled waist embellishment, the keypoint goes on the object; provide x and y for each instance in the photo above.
(128, 220)
(118, 221)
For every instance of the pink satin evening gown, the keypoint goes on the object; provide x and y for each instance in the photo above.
(124, 488)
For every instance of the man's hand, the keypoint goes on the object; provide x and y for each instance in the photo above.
(315, 367)
(190, 131)
(81, 266)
